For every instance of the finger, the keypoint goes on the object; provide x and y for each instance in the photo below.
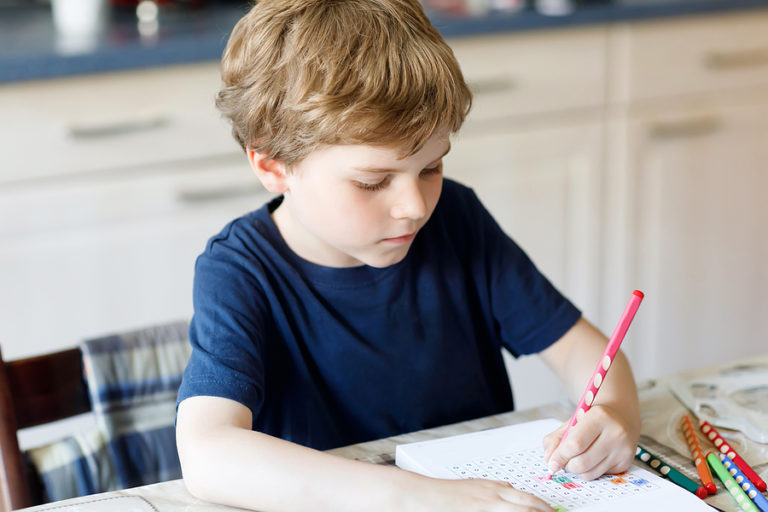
(524, 499)
(586, 467)
(615, 445)
(590, 459)
(580, 439)
(607, 454)
(619, 463)
(552, 439)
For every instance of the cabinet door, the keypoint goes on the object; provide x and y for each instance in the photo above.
(542, 185)
(85, 258)
(696, 236)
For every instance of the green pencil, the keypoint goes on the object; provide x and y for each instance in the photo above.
(668, 471)
(730, 484)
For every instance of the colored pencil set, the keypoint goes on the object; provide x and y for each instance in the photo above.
(739, 479)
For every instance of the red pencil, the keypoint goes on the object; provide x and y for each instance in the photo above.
(727, 449)
(593, 386)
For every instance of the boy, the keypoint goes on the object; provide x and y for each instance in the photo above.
(371, 297)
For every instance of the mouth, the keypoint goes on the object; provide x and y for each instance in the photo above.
(404, 239)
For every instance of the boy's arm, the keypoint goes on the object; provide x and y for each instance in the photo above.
(224, 461)
(606, 439)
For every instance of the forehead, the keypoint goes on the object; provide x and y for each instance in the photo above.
(381, 156)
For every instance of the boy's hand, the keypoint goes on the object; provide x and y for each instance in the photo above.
(473, 495)
(602, 442)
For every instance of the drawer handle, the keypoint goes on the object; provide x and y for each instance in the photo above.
(693, 127)
(207, 195)
(492, 84)
(116, 128)
(750, 58)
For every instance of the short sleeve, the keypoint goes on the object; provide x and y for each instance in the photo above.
(530, 313)
(227, 330)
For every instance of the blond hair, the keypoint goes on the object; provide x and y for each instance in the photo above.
(298, 74)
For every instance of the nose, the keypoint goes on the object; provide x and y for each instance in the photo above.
(409, 201)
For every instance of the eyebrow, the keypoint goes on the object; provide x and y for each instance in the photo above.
(382, 169)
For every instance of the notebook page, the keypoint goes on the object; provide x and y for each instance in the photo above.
(514, 454)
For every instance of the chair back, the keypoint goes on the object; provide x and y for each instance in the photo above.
(34, 391)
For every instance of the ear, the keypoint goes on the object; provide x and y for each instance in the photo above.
(270, 172)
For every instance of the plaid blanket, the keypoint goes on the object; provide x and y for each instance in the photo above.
(132, 380)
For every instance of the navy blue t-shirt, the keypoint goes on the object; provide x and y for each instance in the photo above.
(327, 357)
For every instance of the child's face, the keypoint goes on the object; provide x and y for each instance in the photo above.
(351, 205)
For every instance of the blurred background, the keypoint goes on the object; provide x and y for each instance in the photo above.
(623, 144)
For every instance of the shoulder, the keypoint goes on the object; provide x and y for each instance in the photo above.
(241, 233)
(244, 247)
(246, 235)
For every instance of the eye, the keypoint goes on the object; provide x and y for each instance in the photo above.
(372, 187)
(432, 170)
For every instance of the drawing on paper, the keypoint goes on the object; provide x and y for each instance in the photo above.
(527, 471)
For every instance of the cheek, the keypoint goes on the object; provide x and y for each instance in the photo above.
(349, 214)
(433, 194)
(362, 210)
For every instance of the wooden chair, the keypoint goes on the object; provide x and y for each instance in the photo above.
(34, 391)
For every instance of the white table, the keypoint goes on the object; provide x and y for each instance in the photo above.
(661, 414)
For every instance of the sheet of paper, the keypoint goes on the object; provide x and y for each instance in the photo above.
(514, 454)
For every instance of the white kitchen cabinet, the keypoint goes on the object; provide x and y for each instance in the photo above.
(687, 169)
(687, 57)
(110, 186)
(549, 72)
(98, 255)
(110, 122)
(695, 235)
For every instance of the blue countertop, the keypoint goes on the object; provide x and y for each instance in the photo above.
(30, 48)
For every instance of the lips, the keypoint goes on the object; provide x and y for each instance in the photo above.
(401, 239)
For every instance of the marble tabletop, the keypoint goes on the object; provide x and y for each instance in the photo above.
(661, 414)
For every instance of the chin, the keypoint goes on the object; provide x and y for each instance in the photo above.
(385, 260)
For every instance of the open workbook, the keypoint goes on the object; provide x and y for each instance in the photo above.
(515, 454)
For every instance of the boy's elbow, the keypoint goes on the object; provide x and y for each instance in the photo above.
(195, 481)
(208, 444)
(196, 466)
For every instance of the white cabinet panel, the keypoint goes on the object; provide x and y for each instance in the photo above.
(120, 121)
(531, 73)
(690, 56)
(91, 258)
(697, 235)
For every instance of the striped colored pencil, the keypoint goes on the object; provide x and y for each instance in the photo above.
(668, 471)
(747, 486)
(730, 484)
(727, 449)
(698, 455)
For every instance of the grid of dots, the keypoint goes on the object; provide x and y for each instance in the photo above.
(527, 471)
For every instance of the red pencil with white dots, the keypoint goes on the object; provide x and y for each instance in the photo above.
(588, 398)
(727, 449)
